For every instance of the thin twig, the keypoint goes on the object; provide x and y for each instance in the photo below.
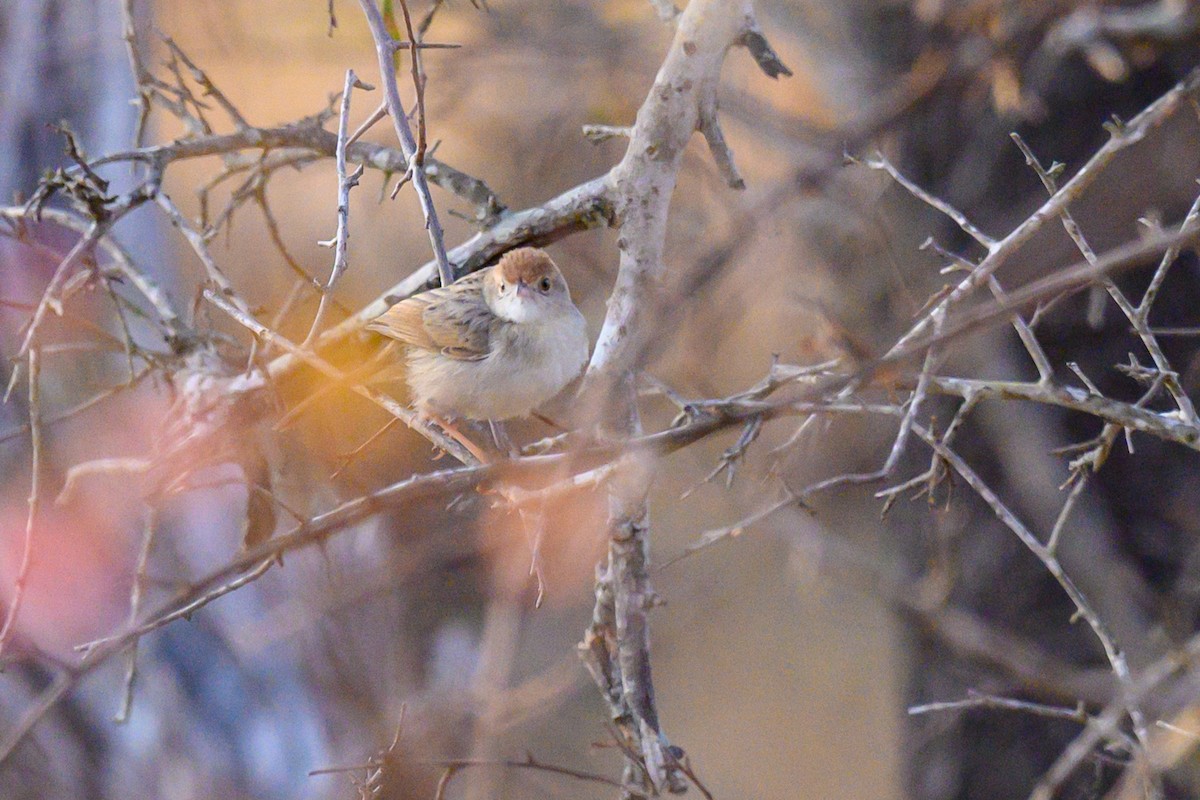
(711, 537)
(1133, 314)
(384, 48)
(135, 607)
(418, 78)
(878, 162)
(453, 766)
(345, 184)
(81, 407)
(1108, 723)
(1116, 656)
(977, 700)
(1190, 221)
(1122, 137)
(216, 276)
(210, 89)
(348, 459)
(35, 495)
(137, 631)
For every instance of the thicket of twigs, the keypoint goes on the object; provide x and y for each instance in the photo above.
(997, 278)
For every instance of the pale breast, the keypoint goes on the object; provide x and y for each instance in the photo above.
(527, 365)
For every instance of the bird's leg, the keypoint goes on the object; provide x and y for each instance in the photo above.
(458, 436)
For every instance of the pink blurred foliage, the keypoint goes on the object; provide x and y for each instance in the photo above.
(84, 546)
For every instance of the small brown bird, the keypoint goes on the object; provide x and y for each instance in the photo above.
(493, 345)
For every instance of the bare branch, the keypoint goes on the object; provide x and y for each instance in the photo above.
(135, 632)
(210, 89)
(1107, 724)
(308, 135)
(384, 48)
(35, 496)
(1071, 278)
(164, 311)
(1122, 137)
(1116, 656)
(616, 645)
(878, 162)
(1171, 381)
(977, 700)
(1125, 415)
(135, 609)
(1190, 222)
(418, 79)
(345, 184)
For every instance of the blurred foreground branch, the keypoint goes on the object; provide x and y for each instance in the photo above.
(221, 400)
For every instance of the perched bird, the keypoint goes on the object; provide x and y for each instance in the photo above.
(493, 345)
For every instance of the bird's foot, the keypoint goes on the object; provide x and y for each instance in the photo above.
(454, 433)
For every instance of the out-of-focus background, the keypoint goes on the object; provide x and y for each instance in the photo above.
(785, 658)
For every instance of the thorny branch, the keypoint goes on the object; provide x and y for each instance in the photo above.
(1122, 136)
(706, 418)
(635, 197)
(385, 46)
(346, 182)
(1139, 323)
(1116, 656)
(616, 646)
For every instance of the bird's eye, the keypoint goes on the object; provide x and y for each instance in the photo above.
(503, 288)
(544, 285)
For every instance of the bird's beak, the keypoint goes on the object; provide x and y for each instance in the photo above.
(523, 289)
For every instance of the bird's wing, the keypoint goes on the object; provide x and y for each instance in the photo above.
(455, 321)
